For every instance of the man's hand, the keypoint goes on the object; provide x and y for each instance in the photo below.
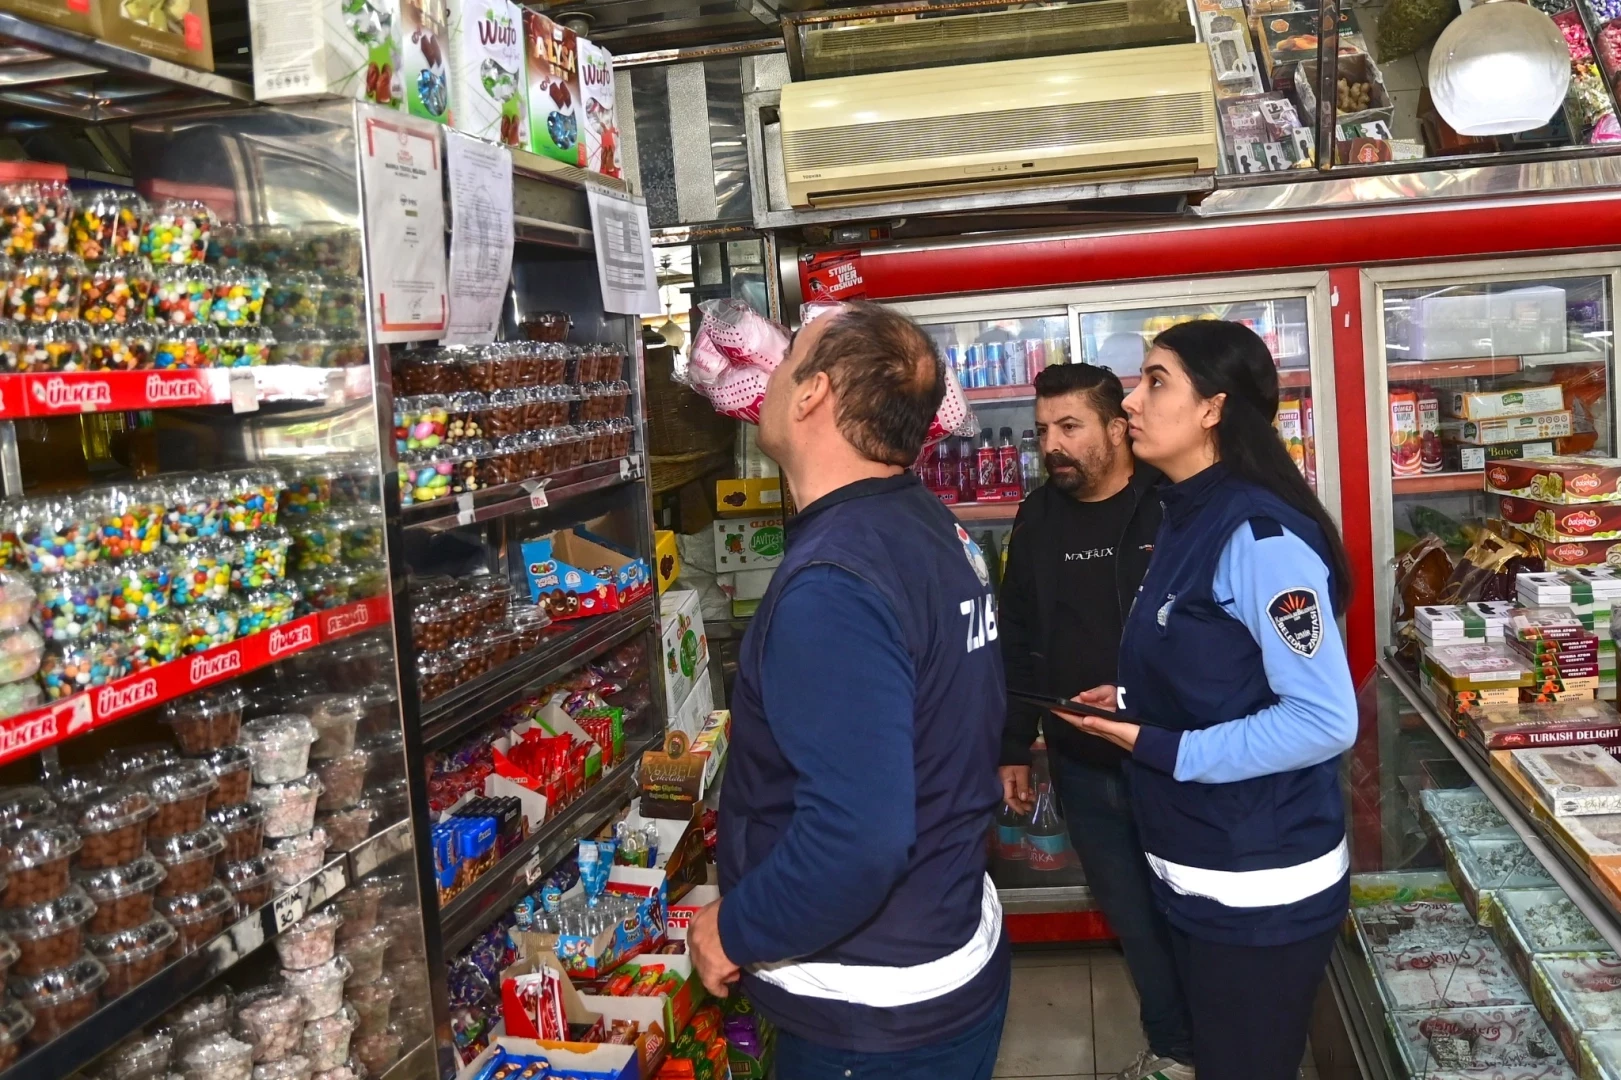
(1120, 733)
(703, 944)
(1016, 787)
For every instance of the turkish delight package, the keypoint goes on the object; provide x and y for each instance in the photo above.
(1471, 1044)
(1573, 780)
(1447, 976)
(1577, 994)
(1465, 814)
(486, 65)
(599, 119)
(1477, 667)
(1415, 924)
(1568, 723)
(552, 66)
(1540, 922)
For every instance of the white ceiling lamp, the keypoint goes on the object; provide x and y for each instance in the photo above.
(1499, 68)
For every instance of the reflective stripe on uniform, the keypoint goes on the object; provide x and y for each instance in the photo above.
(1257, 888)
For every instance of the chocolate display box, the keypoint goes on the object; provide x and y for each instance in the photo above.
(1563, 480)
(556, 566)
(1558, 523)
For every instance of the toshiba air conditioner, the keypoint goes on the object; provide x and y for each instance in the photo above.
(978, 127)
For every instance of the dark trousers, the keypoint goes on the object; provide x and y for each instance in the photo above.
(969, 1055)
(1101, 827)
(1235, 1037)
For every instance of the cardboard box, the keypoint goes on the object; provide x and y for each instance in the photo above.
(753, 496)
(1567, 481)
(425, 32)
(672, 1011)
(1573, 555)
(689, 717)
(675, 779)
(1558, 522)
(748, 543)
(1573, 781)
(599, 116)
(605, 1060)
(552, 67)
(746, 585)
(1511, 429)
(487, 70)
(1497, 404)
(1464, 457)
(175, 30)
(83, 16)
(305, 49)
(555, 566)
(684, 645)
(535, 957)
(682, 914)
(666, 559)
(681, 852)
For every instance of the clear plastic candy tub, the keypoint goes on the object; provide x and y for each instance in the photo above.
(243, 826)
(271, 1020)
(217, 1057)
(134, 955)
(197, 917)
(123, 894)
(289, 807)
(297, 857)
(59, 998)
(321, 986)
(111, 818)
(311, 941)
(280, 745)
(326, 1038)
(206, 720)
(49, 934)
(189, 859)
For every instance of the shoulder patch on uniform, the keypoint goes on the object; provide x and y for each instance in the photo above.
(976, 557)
(1264, 528)
(1298, 618)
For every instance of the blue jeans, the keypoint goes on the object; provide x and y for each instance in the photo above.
(970, 1055)
(1098, 809)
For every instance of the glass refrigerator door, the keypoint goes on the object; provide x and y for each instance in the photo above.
(1468, 366)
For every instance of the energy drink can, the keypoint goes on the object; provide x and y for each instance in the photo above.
(995, 359)
(958, 366)
(1014, 371)
(976, 367)
(1035, 357)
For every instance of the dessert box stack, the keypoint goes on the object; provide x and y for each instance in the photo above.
(1562, 652)
(1462, 677)
(1458, 624)
(1573, 781)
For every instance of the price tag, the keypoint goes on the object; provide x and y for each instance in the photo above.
(288, 908)
(533, 871)
(464, 508)
(244, 391)
(537, 499)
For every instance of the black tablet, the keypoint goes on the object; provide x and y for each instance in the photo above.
(1074, 708)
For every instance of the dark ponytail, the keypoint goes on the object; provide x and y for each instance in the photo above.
(1230, 358)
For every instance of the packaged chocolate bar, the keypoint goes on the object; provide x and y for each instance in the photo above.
(1566, 480)
(1573, 781)
(1449, 624)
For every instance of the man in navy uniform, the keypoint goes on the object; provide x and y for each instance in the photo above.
(866, 723)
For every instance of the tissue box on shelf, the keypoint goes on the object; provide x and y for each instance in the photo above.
(317, 49)
(684, 645)
(673, 784)
(555, 565)
(748, 543)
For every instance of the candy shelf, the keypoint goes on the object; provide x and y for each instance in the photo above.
(474, 704)
(32, 731)
(536, 494)
(501, 886)
(1434, 482)
(36, 394)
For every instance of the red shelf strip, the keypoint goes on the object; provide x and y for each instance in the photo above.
(36, 394)
(28, 733)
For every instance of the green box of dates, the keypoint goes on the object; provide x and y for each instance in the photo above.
(175, 30)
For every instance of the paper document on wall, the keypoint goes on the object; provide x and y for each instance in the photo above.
(402, 171)
(480, 238)
(624, 253)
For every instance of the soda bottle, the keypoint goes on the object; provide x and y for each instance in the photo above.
(1030, 461)
(987, 471)
(1045, 835)
(965, 469)
(1010, 835)
(1007, 455)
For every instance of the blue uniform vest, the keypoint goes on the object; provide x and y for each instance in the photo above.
(1186, 664)
(896, 536)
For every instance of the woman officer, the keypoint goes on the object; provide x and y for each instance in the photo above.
(1232, 662)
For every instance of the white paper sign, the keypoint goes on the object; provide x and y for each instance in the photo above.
(402, 171)
(624, 253)
(480, 238)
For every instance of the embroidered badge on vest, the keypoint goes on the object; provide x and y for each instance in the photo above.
(1164, 612)
(976, 557)
(1298, 619)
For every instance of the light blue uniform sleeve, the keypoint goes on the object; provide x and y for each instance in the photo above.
(1269, 584)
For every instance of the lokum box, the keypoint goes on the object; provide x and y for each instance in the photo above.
(1563, 479)
(1464, 814)
(1551, 625)
(1400, 887)
(1480, 868)
(1510, 429)
(1583, 553)
(1413, 925)
(1577, 994)
(486, 66)
(1517, 786)
(1541, 922)
(1561, 522)
(1455, 623)
(599, 118)
(1577, 586)
(1508, 1043)
(1447, 977)
(1528, 726)
(1477, 667)
(1601, 1055)
(1515, 401)
(552, 63)
(1573, 781)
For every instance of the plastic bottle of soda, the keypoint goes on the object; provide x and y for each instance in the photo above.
(1045, 836)
(965, 469)
(1007, 456)
(987, 468)
(1010, 834)
(1030, 461)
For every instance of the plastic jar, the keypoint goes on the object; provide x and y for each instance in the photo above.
(498, 465)
(207, 625)
(154, 641)
(347, 828)
(128, 764)
(271, 1020)
(377, 1050)
(243, 827)
(436, 621)
(280, 745)
(11, 339)
(239, 296)
(178, 232)
(56, 534)
(360, 535)
(501, 643)
(326, 1038)
(74, 604)
(112, 820)
(116, 291)
(291, 1067)
(466, 416)
(133, 955)
(198, 917)
(15, 1023)
(620, 431)
(20, 697)
(184, 294)
(107, 224)
(71, 666)
(290, 807)
(505, 415)
(60, 998)
(217, 1057)
(250, 882)
(380, 704)
(189, 859)
(438, 371)
(268, 606)
(294, 299)
(365, 950)
(546, 326)
(17, 600)
(185, 347)
(297, 857)
(342, 301)
(140, 1057)
(205, 720)
(420, 422)
(45, 288)
(358, 661)
(295, 346)
(195, 509)
(472, 657)
(123, 894)
(530, 622)
(598, 440)
(21, 651)
(139, 587)
(35, 856)
(359, 904)
(48, 934)
(335, 718)
(570, 447)
(343, 779)
(371, 1002)
(58, 346)
(181, 792)
(250, 499)
(232, 766)
(24, 803)
(317, 541)
(261, 558)
(311, 941)
(244, 346)
(321, 986)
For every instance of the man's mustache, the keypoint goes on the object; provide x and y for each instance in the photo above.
(1059, 460)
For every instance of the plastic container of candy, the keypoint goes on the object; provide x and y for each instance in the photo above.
(343, 779)
(295, 346)
(323, 589)
(189, 859)
(430, 371)
(131, 519)
(250, 882)
(306, 491)
(466, 416)
(571, 447)
(206, 720)
(198, 1017)
(239, 296)
(473, 657)
(11, 339)
(478, 366)
(546, 326)
(243, 346)
(346, 828)
(242, 826)
(17, 600)
(251, 498)
(140, 1057)
(330, 247)
(195, 510)
(529, 622)
(311, 941)
(261, 558)
(178, 232)
(137, 588)
(371, 1003)
(437, 620)
(201, 572)
(420, 422)
(291, 1067)
(122, 893)
(620, 431)
(128, 764)
(133, 955)
(290, 807)
(344, 348)
(60, 998)
(216, 1057)
(297, 857)
(335, 717)
(365, 947)
(183, 294)
(317, 541)
(549, 406)
(26, 802)
(280, 745)
(268, 606)
(75, 603)
(50, 933)
(185, 347)
(271, 1019)
(360, 534)
(56, 534)
(20, 697)
(501, 643)
(505, 415)
(501, 464)
(437, 673)
(181, 793)
(207, 624)
(35, 857)
(45, 287)
(294, 298)
(327, 1038)
(342, 301)
(232, 766)
(554, 363)
(107, 224)
(320, 986)
(59, 346)
(120, 346)
(528, 357)
(34, 216)
(112, 820)
(154, 641)
(68, 667)
(116, 291)
(198, 917)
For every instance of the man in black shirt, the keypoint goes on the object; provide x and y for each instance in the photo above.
(1079, 549)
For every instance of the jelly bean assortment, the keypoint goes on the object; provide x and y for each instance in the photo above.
(112, 580)
(473, 418)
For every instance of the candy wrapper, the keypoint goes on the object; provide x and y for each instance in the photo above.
(736, 350)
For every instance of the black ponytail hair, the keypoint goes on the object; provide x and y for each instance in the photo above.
(1230, 358)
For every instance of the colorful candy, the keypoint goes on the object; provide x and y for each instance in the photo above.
(11, 347)
(204, 626)
(231, 243)
(330, 247)
(244, 346)
(116, 291)
(342, 301)
(34, 216)
(324, 588)
(180, 348)
(294, 298)
(126, 347)
(420, 422)
(178, 233)
(58, 534)
(317, 541)
(251, 499)
(45, 288)
(202, 571)
(306, 489)
(184, 294)
(344, 348)
(141, 587)
(53, 346)
(71, 666)
(155, 641)
(267, 606)
(109, 224)
(73, 604)
(239, 296)
(261, 558)
(424, 478)
(194, 510)
(360, 535)
(132, 520)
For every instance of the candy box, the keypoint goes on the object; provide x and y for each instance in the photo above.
(684, 645)
(748, 543)
(552, 63)
(1519, 789)
(1577, 993)
(676, 778)
(175, 30)
(1541, 922)
(1529, 726)
(1458, 1044)
(1477, 667)
(425, 38)
(1560, 523)
(536, 957)
(557, 569)
(327, 48)
(1566, 480)
(80, 15)
(678, 994)
(1518, 401)
(1446, 975)
(759, 495)
(1404, 926)
(1505, 430)
(596, 1061)
(1481, 868)
(487, 70)
(1462, 814)
(1449, 624)
(1572, 554)
(1573, 781)
(598, 117)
